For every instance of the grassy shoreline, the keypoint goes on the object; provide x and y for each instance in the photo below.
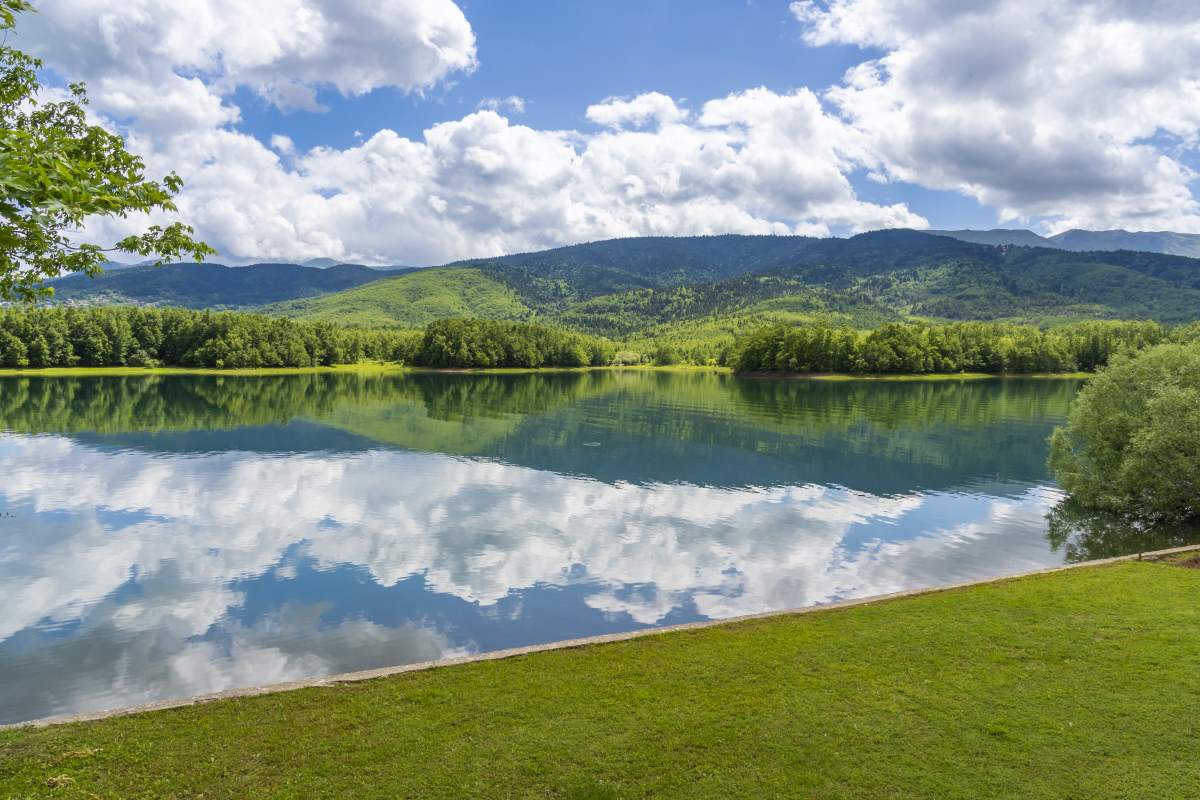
(1071, 684)
(370, 368)
(366, 368)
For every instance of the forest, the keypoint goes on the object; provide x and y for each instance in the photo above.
(122, 336)
(493, 343)
(915, 348)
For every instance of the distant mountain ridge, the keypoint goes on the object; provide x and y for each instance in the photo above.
(211, 285)
(1081, 241)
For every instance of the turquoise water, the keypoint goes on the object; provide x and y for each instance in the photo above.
(168, 536)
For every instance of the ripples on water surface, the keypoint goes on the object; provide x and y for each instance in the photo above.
(167, 536)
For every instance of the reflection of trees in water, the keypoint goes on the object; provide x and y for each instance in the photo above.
(189, 402)
(1086, 535)
(164, 403)
(176, 402)
(892, 404)
(962, 428)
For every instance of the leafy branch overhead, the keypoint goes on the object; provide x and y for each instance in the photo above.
(56, 171)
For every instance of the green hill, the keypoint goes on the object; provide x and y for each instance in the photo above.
(413, 299)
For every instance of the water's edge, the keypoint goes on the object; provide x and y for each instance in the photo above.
(495, 655)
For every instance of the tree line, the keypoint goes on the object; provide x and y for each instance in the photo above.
(920, 348)
(494, 343)
(122, 336)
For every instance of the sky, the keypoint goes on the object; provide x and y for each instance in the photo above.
(423, 131)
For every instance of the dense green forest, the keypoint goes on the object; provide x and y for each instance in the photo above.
(145, 337)
(149, 337)
(909, 348)
(492, 343)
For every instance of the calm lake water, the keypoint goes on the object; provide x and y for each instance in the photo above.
(167, 536)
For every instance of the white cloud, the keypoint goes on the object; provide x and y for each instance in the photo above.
(756, 162)
(283, 144)
(512, 103)
(283, 49)
(636, 112)
(1073, 110)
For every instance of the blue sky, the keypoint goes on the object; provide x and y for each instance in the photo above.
(361, 130)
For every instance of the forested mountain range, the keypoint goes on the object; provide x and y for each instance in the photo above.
(1080, 241)
(214, 285)
(700, 286)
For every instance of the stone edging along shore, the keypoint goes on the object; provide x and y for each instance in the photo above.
(495, 655)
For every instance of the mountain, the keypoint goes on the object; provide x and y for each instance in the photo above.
(320, 263)
(700, 286)
(1178, 244)
(625, 287)
(1080, 241)
(212, 285)
(998, 236)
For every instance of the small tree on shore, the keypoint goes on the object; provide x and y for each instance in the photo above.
(1131, 445)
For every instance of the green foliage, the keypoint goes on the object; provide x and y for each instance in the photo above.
(56, 170)
(919, 348)
(147, 337)
(1131, 446)
(494, 343)
(412, 300)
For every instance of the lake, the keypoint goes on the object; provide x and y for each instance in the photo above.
(163, 536)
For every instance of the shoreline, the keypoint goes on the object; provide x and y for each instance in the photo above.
(360, 676)
(369, 368)
(919, 376)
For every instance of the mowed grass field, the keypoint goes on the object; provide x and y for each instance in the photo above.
(1076, 684)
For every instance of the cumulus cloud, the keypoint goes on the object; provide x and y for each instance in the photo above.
(755, 162)
(636, 112)
(164, 73)
(286, 50)
(1073, 110)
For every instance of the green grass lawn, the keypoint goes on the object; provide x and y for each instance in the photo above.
(1079, 684)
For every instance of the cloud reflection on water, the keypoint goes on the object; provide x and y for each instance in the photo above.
(125, 571)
